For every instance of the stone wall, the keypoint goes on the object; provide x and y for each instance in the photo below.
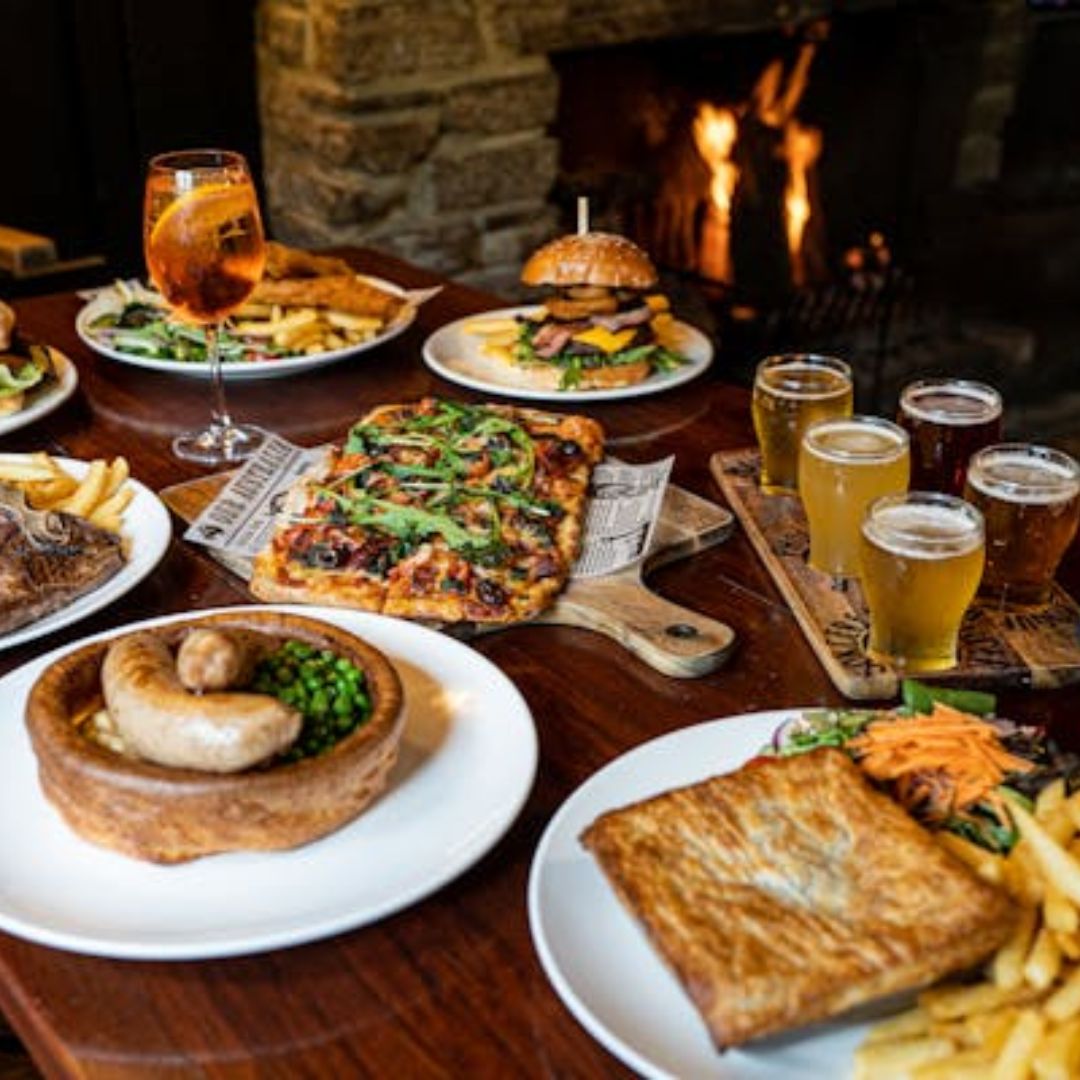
(421, 126)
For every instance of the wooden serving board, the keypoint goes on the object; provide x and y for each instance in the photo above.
(997, 648)
(670, 638)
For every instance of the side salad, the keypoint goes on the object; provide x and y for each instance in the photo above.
(944, 756)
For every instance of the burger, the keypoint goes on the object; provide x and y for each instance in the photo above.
(603, 324)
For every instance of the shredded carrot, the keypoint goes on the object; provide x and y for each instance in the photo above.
(941, 764)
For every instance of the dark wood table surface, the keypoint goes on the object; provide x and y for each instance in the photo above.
(451, 986)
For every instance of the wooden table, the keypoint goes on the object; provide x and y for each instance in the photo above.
(451, 986)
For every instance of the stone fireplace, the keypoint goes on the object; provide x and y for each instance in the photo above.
(425, 126)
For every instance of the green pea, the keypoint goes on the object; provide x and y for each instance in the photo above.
(319, 702)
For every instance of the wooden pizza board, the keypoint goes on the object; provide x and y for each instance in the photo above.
(1040, 649)
(672, 639)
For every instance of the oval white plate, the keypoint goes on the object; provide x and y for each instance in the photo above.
(239, 370)
(146, 528)
(41, 404)
(466, 765)
(458, 357)
(600, 962)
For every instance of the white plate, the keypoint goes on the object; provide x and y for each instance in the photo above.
(238, 370)
(599, 960)
(458, 356)
(42, 403)
(466, 765)
(147, 529)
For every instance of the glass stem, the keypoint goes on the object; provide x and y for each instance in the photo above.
(220, 411)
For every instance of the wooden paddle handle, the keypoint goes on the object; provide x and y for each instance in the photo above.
(673, 639)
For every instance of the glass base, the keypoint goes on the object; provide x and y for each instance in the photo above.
(219, 444)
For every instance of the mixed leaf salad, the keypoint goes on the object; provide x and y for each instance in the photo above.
(141, 325)
(944, 756)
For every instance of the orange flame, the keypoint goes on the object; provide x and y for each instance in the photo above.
(801, 149)
(715, 132)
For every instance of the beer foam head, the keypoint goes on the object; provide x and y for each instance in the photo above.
(951, 401)
(1023, 473)
(856, 440)
(924, 526)
(804, 376)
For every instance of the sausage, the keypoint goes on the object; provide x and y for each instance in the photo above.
(162, 721)
(220, 659)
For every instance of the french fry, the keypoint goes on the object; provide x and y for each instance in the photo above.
(1064, 1003)
(484, 327)
(1058, 913)
(1070, 945)
(107, 514)
(1050, 799)
(902, 1026)
(1044, 961)
(1058, 1055)
(342, 320)
(88, 494)
(988, 866)
(966, 1065)
(119, 471)
(1057, 864)
(1008, 964)
(1012, 1062)
(46, 494)
(954, 1002)
(26, 468)
(883, 1059)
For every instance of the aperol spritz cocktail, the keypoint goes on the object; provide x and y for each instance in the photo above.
(205, 251)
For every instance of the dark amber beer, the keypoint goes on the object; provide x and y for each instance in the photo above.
(948, 420)
(1030, 498)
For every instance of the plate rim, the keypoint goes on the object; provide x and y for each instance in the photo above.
(102, 596)
(247, 370)
(263, 941)
(48, 402)
(646, 388)
(564, 990)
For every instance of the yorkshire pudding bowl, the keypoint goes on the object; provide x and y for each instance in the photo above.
(169, 815)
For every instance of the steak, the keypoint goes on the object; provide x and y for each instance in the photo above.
(47, 559)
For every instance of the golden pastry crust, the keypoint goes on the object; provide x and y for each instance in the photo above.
(790, 891)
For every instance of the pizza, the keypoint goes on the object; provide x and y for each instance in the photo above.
(437, 510)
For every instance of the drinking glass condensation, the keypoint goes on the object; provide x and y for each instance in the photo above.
(791, 392)
(922, 557)
(948, 419)
(204, 248)
(1030, 498)
(844, 465)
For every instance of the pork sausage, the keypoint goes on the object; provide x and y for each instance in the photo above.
(220, 659)
(162, 721)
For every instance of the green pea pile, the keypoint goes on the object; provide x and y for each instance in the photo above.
(328, 690)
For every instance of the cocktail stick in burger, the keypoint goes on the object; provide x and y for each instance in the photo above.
(601, 327)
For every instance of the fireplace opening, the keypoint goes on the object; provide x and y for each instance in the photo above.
(835, 186)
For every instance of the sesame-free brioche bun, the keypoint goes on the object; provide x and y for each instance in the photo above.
(591, 258)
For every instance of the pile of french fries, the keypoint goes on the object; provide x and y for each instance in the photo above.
(1022, 1019)
(305, 329)
(101, 496)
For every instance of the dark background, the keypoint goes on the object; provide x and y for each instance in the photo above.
(91, 89)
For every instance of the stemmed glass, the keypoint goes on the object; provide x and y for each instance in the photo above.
(205, 251)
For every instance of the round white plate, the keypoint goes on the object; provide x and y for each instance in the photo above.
(458, 356)
(466, 765)
(238, 370)
(600, 962)
(43, 403)
(147, 529)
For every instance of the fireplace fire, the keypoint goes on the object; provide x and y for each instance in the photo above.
(743, 145)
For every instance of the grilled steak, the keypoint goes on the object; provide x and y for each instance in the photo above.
(791, 890)
(47, 559)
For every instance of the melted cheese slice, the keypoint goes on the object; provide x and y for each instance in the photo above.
(605, 340)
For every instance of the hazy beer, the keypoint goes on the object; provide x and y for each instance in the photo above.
(922, 557)
(792, 392)
(1030, 498)
(844, 465)
(948, 419)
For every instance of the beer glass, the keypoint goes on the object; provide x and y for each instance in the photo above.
(203, 241)
(790, 393)
(1030, 498)
(948, 419)
(844, 465)
(922, 557)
